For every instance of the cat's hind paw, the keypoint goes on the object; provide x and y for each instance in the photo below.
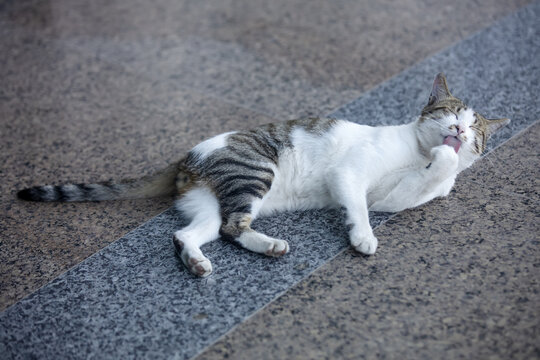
(364, 244)
(277, 248)
(199, 266)
(193, 259)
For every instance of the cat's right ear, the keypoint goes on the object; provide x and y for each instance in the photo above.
(494, 125)
(439, 91)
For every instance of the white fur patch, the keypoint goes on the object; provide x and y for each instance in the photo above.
(201, 205)
(263, 244)
(208, 146)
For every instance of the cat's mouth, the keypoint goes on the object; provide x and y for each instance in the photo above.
(453, 142)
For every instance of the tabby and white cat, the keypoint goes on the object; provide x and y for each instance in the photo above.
(227, 181)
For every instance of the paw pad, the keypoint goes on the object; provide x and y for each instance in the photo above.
(279, 248)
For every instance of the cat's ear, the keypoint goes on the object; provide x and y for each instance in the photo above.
(494, 125)
(439, 91)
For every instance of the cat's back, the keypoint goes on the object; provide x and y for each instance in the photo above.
(265, 143)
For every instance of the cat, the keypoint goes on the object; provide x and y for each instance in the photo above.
(227, 181)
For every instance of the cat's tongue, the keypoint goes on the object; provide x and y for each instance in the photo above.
(453, 142)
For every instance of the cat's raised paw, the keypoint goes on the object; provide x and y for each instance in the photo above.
(278, 248)
(444, 154)
(365, 244)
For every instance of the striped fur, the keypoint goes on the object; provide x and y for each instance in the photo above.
(244, 169)
(164, 182)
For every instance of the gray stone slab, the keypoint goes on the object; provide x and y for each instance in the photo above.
(134, 299)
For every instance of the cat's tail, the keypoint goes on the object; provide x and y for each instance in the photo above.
(164, 182)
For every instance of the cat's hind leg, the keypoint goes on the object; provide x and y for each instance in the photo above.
(201, 205)
(236, 227)
(240, 199)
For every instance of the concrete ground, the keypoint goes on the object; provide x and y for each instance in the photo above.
(100, 90)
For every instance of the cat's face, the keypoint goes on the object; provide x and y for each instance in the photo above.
(447, 120)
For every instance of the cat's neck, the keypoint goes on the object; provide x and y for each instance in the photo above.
(424, 141)
(409, 136)
(397, 144)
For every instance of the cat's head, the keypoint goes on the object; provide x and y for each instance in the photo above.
(447, 120)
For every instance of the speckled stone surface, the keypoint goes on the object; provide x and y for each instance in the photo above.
(134, 299)
(87, 120)
(456, 278)
(283, 58)
(109, 89)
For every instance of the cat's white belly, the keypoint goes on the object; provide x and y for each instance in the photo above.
(297, 185)
(288, 199)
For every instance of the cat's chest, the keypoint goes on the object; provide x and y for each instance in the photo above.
(381, 187)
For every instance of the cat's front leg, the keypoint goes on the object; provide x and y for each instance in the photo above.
(351, 195)
(422, 185)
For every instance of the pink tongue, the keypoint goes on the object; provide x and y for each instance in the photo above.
(453, 142)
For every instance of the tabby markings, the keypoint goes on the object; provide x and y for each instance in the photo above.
(205, 148)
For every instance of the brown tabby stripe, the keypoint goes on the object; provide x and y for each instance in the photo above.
(160, 183)
(242, 171)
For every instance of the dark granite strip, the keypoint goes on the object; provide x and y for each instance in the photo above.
(454, 279)
(134, 299)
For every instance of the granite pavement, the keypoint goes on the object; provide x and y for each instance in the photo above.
(134, 298)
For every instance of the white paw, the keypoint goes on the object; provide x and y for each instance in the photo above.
(366, 244)
(277, 248)
(198, 265)
(445, 160)
(444, 154)
(193, 259)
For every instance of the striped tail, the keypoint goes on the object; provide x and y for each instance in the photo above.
(162, 183)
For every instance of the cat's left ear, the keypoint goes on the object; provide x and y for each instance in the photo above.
(494, 125)
(439, 91)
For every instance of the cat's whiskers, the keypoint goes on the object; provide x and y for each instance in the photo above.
(488, 158)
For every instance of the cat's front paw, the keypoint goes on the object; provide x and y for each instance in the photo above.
(364, 243)
(445, 160)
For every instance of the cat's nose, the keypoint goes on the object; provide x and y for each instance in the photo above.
(460, 130)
